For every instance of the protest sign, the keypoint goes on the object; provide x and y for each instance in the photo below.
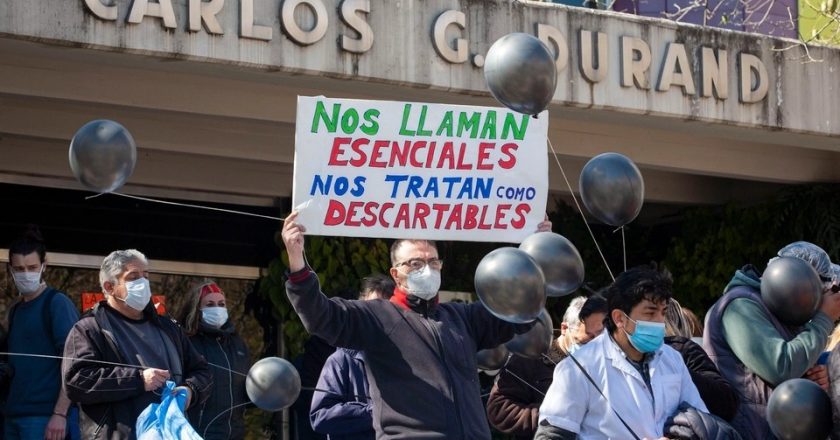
(415, 170)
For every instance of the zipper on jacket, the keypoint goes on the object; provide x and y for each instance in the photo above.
(230, 385)
(439, 342)
(101, 423)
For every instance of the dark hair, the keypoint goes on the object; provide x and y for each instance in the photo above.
(594, 304)
(31, 241)
(397, 243)
(383, 285)
(634, 286)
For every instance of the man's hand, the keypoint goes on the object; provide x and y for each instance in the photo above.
(189, 394)
(293, 239)
(831, 305)
(55, 428)
(154, 378)
(819, 375)
(545, 225)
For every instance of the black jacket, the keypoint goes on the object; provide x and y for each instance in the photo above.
(112, 397)
(717, 393)
(226, 348)
(421, 366)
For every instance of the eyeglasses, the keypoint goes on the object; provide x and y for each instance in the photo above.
(419, 263)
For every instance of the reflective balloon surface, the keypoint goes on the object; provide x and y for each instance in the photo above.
(273, 384)
(535, 342)
(493, 358)
(559, 260)
(511, 285)
(102, 155)
(799, 410)
(612, 188)
(792, 290)
(520, 73)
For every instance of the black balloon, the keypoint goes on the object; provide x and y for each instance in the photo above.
(102, 155)
(559, 260)
(492, 358)
(511, 285)
(521, 73)
(536, 341)
(612, 188)
(799, 410)
(792, 290)
(273, 384)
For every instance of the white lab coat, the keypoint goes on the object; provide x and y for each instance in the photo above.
(572, 402)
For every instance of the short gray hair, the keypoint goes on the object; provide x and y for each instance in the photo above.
(572, 315)
(114, 264)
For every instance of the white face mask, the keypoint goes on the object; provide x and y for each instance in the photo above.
(424, 283)
(28, 283)
(215, 317)
(138, 294)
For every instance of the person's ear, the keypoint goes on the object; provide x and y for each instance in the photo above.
(394, 275)
(618, 318)
(108, 287)
(563, 328)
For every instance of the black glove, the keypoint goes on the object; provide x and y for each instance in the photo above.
(687, 423)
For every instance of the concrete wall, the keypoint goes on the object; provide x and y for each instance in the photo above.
(801, 97)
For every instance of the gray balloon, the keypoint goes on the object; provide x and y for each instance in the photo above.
(559, 260)
(511, 285)
(612, 188)
(102, 155)
(799, 409)
(791, 290)
(273, 384)
(535, 342)
(492, 358)
(520, 73)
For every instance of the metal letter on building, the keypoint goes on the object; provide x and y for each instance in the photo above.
(552, 37)
(102, 10)
(460, 53)
(248, 28)
(591, 72)
(635, 70)
(206, 12)
(749, 92)
(295, 33)
(676, 59)
(163, 10)
(714, 69)
(349, 16)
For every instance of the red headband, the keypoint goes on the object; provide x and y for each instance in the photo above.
(208, 289)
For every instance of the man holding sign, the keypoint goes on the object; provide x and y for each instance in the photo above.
(420, 354)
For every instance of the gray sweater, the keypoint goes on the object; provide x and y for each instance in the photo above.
(421, 369)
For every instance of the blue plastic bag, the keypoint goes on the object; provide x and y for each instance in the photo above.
(166, 420)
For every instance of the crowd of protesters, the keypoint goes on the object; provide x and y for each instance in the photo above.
(628, 362)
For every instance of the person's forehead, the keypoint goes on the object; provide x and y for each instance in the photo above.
(25, 260)
(648, 304)
(214, 297)
(416, 249)
(136, 266)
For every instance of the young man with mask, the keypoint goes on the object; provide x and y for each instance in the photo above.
(643, 382)
(420, 355)
(514, 402)
(36, 407)
(125, 329)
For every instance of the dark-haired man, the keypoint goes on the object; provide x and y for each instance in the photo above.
(643, 382)
(420, 355)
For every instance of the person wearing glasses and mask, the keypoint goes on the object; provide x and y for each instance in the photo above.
(204, 318)
(125, 329)
(419, 353)
(38, 324)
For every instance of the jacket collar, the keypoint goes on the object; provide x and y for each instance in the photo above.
(620, 361)
(408, 301)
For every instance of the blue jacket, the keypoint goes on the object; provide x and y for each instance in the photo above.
(341, 407)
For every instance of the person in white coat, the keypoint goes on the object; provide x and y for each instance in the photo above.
(625, 382)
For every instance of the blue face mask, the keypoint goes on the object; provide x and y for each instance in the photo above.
(648, 336)
(574, 347)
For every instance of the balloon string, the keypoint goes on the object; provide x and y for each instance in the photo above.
(187, 205)
(624, 248)
(523, 381)
(580, 210)
(227, 369)
(549, 358)
(97, 361)
(331, 392)
(204, 435)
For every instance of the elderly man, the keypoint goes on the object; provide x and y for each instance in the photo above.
(755, 351)
(420, 355)
(514, 403)
(124, 329)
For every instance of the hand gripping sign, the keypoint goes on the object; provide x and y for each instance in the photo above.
(428, 171)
